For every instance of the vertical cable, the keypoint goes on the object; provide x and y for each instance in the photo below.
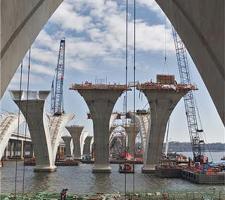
(134, 69)
(18, 124)
(28, 84)
(165, 48)
(125, 176)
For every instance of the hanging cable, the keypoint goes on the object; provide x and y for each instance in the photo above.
(203, 134)
(26, 126)
(165, 48)
(125, 176)
(18, 128)
(134, 76)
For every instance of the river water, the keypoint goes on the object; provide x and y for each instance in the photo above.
(80, 179)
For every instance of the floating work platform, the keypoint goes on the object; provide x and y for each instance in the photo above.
(194, 177)
(67, 163)
(32, 162)
(218, 178)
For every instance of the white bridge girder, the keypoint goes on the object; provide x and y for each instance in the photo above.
(8, 124)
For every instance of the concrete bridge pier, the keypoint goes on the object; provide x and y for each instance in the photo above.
(67, 141)
(31, 105)
(75, 132)
(100, 100)
(162, 102)
(87, 145)
(131, 132)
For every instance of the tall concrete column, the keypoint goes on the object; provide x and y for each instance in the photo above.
(11, 149)
(131, 132)
(32, 150)
(75, 132)
(22, 150)
(67, 141)
(162, 101)
(100, 100)
(15, 146)
(32, 107)
(87, 146)
(7, 151)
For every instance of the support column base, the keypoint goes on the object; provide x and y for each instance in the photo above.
(77, 158)
(45, 169)
(101, 169)
(149, 169)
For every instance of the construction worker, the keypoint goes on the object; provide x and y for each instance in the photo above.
(63, 194)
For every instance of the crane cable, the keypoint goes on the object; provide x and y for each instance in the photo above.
(18, 128)
(134, 77)
(26, 126)
(165, 48)
(203, 134)
(126, 63)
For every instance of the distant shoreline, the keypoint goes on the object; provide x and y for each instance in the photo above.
(186, 147)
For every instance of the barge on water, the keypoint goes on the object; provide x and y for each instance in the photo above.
(191, 175)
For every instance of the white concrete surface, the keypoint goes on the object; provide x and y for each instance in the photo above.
(9, 123)
(21, 21)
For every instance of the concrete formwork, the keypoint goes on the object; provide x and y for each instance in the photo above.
(162, 102)
(67, 141)
(100, 100)
(75, 132)
(87, 145)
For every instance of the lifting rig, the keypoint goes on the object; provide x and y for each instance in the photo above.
(197, 142)
(57, 83)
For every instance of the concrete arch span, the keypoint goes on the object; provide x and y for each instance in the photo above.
(143, 122)
(200, 25)
(8, 124)
(56, 126)
(21, 22)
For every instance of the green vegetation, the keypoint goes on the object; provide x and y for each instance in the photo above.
(210, 195)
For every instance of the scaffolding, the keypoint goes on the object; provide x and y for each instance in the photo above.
(91, 86)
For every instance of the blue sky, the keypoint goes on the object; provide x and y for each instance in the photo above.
(95, 49)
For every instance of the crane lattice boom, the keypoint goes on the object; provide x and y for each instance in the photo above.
(190, 106)
(57, 89)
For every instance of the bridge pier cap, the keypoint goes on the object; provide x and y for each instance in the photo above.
(100, 99)
(29, 95)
